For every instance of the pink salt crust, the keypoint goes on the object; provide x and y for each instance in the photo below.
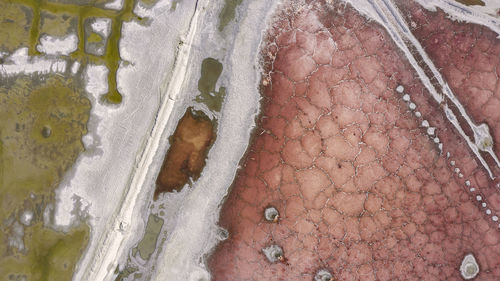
(468, 56)
(361, 189)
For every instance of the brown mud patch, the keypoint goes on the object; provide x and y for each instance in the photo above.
(186, 156)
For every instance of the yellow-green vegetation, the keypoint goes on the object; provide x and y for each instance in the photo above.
(42, 122)
(58, 24)
(147, 245)
(50, 255)
(211, 70)
(53, 17)
(94, 3)
(112, 51)
(227, 13)
(471, 2)
(15, 21)
(94, 38)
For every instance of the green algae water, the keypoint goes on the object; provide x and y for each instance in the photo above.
(211, 70)
(147, 245)
(227, 13)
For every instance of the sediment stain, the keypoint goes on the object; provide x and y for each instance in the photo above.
(186, 156)
(471, 2)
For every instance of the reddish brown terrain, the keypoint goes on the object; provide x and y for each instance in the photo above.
(362, 189)
(469, 58)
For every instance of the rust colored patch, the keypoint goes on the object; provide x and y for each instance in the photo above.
(186, 156)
